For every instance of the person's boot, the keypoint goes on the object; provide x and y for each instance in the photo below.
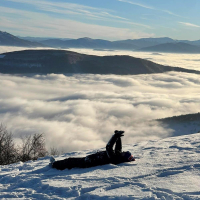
(52, 160)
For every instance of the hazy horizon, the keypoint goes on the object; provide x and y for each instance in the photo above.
(100, 38)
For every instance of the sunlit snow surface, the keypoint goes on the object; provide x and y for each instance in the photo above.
(167, 169)
(2, 56)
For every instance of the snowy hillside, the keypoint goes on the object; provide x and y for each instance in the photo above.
(183, 124)
(165, 169)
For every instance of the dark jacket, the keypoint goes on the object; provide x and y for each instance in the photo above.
(99, 158)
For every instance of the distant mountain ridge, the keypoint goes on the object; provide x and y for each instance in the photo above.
(105, 44)
(146, 42)
(163, 44)
(61, 61)
(179, 47)
(6, 39)
(88, 43)
(39, 39)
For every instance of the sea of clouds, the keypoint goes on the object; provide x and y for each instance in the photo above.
(188, 61)
(81, 111)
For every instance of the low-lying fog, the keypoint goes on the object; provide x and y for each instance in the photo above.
(189, 61)
(78, 112)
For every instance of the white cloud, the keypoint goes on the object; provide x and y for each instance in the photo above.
(82, 111)
(151, 8)
(137, 4)
(77, 9)
(171, 13)
(189, 24)
(42, 25)
(189, 61)
(70, 8)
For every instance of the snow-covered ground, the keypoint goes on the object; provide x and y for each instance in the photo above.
(166, 169)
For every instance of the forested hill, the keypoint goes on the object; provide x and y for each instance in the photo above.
(61, 61)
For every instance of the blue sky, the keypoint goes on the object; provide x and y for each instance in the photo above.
(104, 19)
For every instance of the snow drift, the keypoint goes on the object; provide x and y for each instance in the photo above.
(164, 169)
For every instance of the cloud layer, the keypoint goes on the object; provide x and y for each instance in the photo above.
(189, 24)
(77, 112)
(46, 23)
(188, 61)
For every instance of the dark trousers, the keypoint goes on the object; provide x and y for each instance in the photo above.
(69, 163)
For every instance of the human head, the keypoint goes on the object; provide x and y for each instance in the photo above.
(127, 156)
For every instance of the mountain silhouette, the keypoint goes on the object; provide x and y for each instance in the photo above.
(179, 47)
(61, 61)
(6, 39)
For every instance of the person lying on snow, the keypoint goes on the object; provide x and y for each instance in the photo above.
(115, 156)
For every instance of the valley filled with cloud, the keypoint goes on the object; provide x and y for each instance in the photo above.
(81, 111)
(188, 61)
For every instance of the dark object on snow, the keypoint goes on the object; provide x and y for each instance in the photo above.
(115, 156)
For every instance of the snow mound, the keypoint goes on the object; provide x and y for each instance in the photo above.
(167, 169)
(2, 56)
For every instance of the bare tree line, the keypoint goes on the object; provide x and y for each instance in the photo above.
(31, 148)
